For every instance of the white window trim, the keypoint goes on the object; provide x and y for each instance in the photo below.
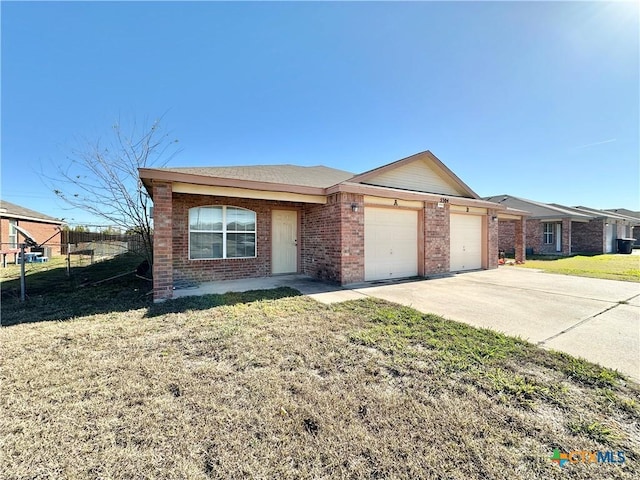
(223, 231)
(13, 243)
(550, 234)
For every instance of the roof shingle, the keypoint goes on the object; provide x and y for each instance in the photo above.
(21, 212)
(318, 176)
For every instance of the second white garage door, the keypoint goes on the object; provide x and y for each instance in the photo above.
(466, 242)
(390, 243)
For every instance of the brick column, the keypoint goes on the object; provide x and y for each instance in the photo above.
(492, 239)
(566, 236)
(437, 250)
(162, 242)
(351, 238)
(520, 232)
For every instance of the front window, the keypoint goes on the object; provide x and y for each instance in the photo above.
(221, 232)
(548, 233)
(13, 234)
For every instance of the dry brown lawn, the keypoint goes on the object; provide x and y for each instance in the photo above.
(273, 385)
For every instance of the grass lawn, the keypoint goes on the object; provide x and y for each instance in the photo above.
(612, 266)
(270, 384)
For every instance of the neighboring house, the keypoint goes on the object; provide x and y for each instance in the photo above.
(413, 217)
(43, 228)
(560, 230)
(634, 217)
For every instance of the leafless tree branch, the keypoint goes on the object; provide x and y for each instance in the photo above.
(102, 178)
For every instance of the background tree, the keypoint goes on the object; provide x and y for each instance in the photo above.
(102, 178)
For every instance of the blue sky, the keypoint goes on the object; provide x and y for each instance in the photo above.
(539, 100)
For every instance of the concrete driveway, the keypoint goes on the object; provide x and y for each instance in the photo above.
(586, 317)
(598, 320)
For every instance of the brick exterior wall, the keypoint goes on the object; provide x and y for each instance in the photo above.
(588, 237)
(41, 231)
(351, 238)
(511, 238)
(492, 238)
(321, 240)
(330, 240)
(162, 241)
(229, 268)
(533, 235)
(520, 242)
(507, 236)
(566, 236)
(437, 250)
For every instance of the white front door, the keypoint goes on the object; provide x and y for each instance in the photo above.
(390, 243)
(558, 237)
(610, 238)
(284, 241)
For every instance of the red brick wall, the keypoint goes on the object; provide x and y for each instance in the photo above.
(162, 241)
(588, 237)
(566, 236)
(40, 231)
(507, 236)
(321, 240)
(492, 240)
(330, 239)
(520, 245)
(437, 250)
(352, 238)
(230, 268)
(533, 235)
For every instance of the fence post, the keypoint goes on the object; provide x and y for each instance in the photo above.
(68, 259)
(23, 282)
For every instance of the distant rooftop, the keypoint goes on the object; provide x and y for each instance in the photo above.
(537, 209)
(8, 209)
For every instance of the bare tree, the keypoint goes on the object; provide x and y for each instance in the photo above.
(102, 177)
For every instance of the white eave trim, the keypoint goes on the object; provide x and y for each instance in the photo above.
(31, 219)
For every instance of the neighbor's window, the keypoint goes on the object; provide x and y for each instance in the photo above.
(548, 233)
(221, 232)
(13, 234)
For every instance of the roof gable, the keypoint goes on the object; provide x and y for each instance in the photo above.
(422, 172)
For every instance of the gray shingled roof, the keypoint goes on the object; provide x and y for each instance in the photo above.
(624, 212)
(318, 176)
(22, 212)
(538, 209)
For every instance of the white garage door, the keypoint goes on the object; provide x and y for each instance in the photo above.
(390, 243)
(466, 242)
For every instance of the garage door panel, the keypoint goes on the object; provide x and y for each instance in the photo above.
(390, 243)
(466, 242)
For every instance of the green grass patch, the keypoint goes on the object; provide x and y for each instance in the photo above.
(593, 430)
(611, 266)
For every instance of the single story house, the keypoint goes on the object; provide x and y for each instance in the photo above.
(634, 217)
(44, 229)
(412, 217)
(561, 230)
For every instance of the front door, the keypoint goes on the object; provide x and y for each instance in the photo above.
(284, 241)
(558, 237)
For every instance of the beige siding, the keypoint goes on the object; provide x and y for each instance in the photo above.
(419, 176)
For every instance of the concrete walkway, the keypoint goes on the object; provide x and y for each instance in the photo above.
(598, 320)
